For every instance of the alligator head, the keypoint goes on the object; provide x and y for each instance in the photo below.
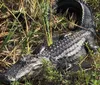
(26, 65)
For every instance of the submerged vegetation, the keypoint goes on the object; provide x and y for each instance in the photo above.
(25, 24)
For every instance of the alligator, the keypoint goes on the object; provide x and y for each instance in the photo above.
(65, 52)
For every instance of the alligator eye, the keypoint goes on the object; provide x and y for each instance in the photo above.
(23, 63)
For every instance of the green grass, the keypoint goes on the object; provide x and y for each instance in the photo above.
(19, 37)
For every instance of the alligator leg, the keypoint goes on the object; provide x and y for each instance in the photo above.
(92, 42)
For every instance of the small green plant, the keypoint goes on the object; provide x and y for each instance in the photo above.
(15, 83)
(51, 75)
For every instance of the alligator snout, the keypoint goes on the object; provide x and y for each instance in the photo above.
(3, 79)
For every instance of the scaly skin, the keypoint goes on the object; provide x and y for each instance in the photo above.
(63, 54)
(85, 17)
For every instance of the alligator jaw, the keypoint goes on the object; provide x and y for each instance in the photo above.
(3, 79)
